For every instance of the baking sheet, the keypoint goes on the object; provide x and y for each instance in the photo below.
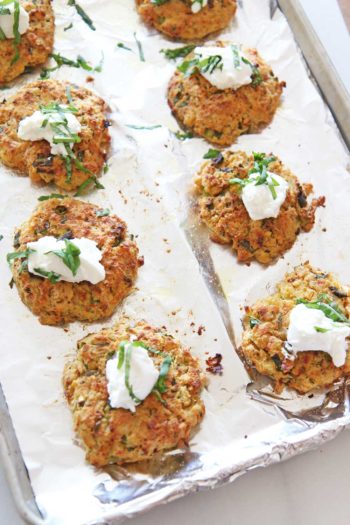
(149, 186)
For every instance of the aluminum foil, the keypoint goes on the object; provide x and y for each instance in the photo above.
(195, 288)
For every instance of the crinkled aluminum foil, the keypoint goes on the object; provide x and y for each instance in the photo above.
(192, 286)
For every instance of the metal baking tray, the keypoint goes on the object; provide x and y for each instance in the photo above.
(338, 100)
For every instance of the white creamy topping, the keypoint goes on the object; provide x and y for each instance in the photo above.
(31, 128)
(259, 200)
(310, 329)
(90, 269)
(197, 5)
(7, 21)
(142, 378)
(231, 72)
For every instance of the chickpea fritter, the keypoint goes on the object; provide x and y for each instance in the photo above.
(265, 332)
(35, 45)
(34, 158)
(65, 302)
(221, 208)
(116, 435)
(221, 116)
(176, 19)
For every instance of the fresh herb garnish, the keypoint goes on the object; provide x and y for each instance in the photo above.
(69, 255)
(53, 277)
(1, 237)
(183, 136)
(253, 322)
(163, 372)
(68, 27)
(10, 257)
(82, 14)
(173, 54)
(256, 75)
(205, 65)
(133, 126)
(236, 56)
(55, 117)
(17, 35)
(124, 356)
(88, 182)
(123, 46)
(328, 307)
(61, 60)
(103, 213)
(140, 49)
(159, 2)
(321, 330)
(215, 155)
(261, 163)
(51, 196)
(128, 351)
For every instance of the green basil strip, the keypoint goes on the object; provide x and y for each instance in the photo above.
(128, 353)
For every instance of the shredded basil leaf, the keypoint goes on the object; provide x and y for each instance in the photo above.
(140, 49)
(124, 356)
(211, 154)
(51, 196)
(261, 163)
(164, 369)
(53, 277)
(123, 46)
(143, 127)
(128, 351)
(84, 16)
(61, 60)
(173, 54)
(253, 322)
(183, 136)
(321, 330)
(18, 255)
(329, 308)
(88, 182)
(69, 255)
(103, 213)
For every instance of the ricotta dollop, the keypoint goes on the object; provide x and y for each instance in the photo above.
(143, 375)
(259, 200)
(7, 20)
(232, 71)
(31, 128)
(197, 5)
(310, 329)
(90, 268)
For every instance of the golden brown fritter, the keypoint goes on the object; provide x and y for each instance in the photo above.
(265, 332)
(116, 435)
(175, 18)
(34, 157)
(221, 115)
(221, 208)
(64, 302)
(36, 44)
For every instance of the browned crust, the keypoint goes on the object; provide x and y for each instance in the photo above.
(262, 344)
(221, 208)
(34, 158)
(220, 116)
(176, 20)
(36, 44)
(117, 435)
(64, 302)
